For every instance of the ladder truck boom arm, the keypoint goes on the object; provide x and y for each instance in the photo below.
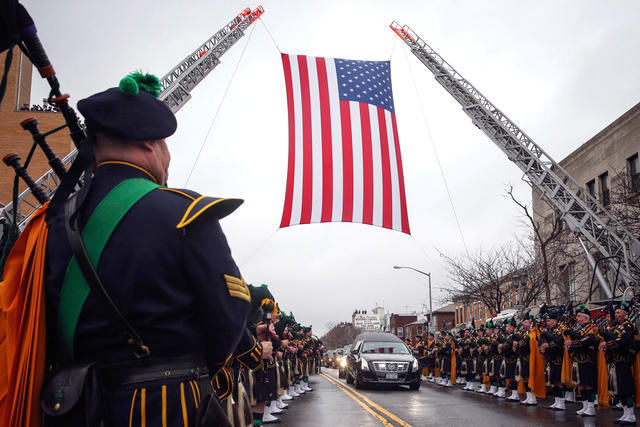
(582, 212)
(177, 85)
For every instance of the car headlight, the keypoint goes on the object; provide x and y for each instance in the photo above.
(415, 364)
(364, 365)
(343, 363)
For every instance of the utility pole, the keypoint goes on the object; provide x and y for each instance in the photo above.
(397, 267)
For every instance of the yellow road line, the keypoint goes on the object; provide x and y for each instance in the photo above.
(352, 396)
(380, 408)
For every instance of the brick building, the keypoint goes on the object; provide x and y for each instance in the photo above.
(418, 327)
(13, 139)
(397, 323)
(444, 318)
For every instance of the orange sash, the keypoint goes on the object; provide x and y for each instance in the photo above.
(22, 326)
(565, 377)
(453, 362)
(603, 381)
(537, 382)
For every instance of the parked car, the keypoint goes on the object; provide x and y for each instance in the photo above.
(382, 358)
(344, 362)
(337, 358)
(328, 359)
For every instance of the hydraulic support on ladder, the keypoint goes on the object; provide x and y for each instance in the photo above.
(177, 85)
(582, 212)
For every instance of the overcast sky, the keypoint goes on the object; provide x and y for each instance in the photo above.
(562, 70)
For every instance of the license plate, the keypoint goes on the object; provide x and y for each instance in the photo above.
(392, 376)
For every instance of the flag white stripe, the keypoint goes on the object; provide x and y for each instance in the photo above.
(376, 155)
(395, 183)
(336, 139)
(358, 168)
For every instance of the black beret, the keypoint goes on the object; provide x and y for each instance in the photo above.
(136, 114)
(553, 314)
(583, 309)
(623, 305)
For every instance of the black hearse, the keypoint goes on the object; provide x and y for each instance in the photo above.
(382, 358)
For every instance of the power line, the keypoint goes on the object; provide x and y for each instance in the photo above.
(444, 179)
(215, 116)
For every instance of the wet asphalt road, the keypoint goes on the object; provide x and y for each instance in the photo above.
(334, 403)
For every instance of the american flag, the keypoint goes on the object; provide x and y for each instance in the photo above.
(344, 154)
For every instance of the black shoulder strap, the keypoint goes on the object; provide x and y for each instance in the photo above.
(92, 278)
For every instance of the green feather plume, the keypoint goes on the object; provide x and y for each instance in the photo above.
(143, 81)
(129, 86)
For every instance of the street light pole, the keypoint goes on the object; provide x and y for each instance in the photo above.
(397, 267)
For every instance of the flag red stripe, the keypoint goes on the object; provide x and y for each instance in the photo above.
(307, 153)
(288, 198)
(387, 196)
(403, 197)
(347, 162)
(367, 165)
(325, 119)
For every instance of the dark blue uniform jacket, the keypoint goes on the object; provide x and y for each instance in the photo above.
(178, 287)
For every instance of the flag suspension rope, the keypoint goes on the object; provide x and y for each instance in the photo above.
(435, 151)
(215, 116)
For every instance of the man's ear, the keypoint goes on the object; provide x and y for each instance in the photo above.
(148, 146)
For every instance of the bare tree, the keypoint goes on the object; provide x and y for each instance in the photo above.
(339, 335)
(543, 244)
(492, 277)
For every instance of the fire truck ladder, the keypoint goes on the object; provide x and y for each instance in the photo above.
(177, 85)
(584, 215)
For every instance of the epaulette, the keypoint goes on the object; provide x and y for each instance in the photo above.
(217, 207)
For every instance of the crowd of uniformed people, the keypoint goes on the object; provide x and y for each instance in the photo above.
(560, 353)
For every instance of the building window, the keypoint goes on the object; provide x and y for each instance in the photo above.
(604, 189)
(569, 281)
(419, 330)
(591, 189)
(399, 332)
(634, 172)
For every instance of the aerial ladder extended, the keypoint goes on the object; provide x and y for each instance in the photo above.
(177, 85)
(584, 215)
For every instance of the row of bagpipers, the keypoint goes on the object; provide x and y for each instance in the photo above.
(266, 373)
(557, 353)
